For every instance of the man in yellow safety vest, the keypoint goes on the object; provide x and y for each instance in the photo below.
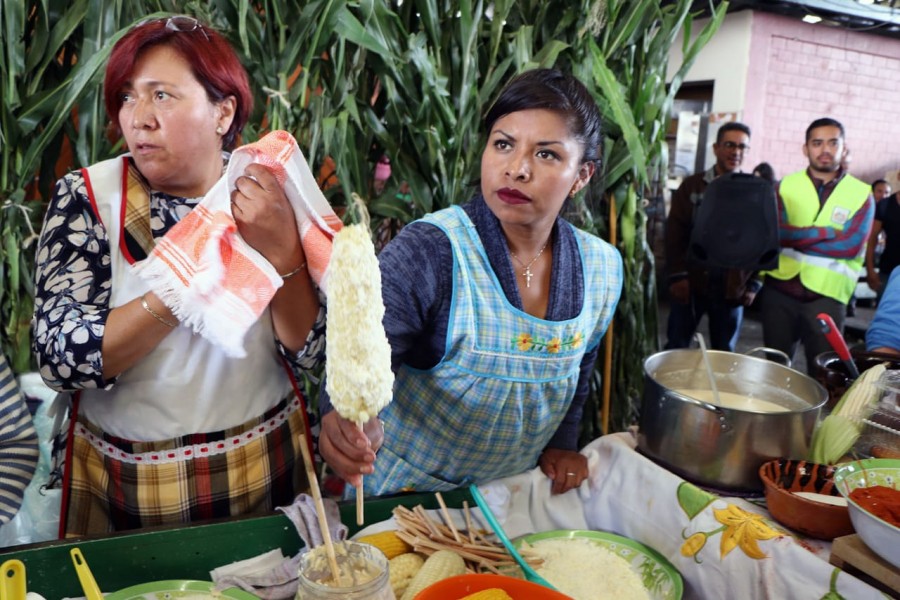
(825, 219)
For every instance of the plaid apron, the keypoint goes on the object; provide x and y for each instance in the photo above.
(113, 482)
(492, 404)
(117, 484)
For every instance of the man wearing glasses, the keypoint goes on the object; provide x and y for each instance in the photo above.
(721, 294)
(825, 217)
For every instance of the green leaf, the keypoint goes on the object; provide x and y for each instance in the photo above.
(13, 14)
(39, 36)
(547, 56)
(614, 94)
(349, 28)
(11, 244)
(83, 75)
(62, 31)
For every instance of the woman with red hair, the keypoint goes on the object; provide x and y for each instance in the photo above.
(166, 427)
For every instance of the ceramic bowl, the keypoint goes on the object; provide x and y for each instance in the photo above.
(782, 478)
(660, 578)
(463, 585)
(879, 535)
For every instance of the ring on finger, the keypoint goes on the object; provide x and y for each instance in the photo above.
(570, 474)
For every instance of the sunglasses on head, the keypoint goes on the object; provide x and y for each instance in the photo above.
(180, 23)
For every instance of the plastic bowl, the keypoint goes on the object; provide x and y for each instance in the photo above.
(659, 576)
(463, 585)
(782, 477)
(879, 535)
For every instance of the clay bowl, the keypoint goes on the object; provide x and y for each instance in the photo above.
(783, 477)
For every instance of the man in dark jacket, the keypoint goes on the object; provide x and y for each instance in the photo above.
(721, 294)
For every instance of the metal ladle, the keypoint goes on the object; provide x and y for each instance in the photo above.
(709, 371)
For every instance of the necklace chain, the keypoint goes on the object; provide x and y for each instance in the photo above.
(526, 273)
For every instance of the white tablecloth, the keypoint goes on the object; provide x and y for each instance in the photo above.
(724, 547)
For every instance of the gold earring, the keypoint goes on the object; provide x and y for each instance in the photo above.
(219, 130)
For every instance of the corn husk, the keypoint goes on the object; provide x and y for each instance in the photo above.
(839, 431)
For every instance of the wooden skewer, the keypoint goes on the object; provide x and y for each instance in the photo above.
(360, 517)
(469, 527)
(608, 348)
(427, 535)
(320, 509)
(447, 518)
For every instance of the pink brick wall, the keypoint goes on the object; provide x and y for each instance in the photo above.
(799, 72)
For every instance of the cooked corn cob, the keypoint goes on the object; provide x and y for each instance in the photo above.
(402, 569)
(489, 594)
(440, 565)
(387, 542)
(357, 353)
(837, 432)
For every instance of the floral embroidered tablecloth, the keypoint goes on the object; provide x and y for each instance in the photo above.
(724, 547)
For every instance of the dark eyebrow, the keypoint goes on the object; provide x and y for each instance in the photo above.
(541, 143)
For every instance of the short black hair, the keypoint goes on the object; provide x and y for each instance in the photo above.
(731, 126)
(552, 89)
(876, 182)
(824, 122)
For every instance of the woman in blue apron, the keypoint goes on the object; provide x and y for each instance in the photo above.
(494, 311)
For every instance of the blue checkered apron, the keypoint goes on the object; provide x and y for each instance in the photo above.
(489, 408)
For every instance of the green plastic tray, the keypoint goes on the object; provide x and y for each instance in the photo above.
(190, 552)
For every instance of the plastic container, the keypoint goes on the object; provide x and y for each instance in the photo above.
(351, 556)
(880, 430)
(463, 585)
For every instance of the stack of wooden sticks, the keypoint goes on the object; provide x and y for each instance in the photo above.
(480, 552)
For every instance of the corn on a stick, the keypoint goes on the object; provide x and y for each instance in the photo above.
(357, 354)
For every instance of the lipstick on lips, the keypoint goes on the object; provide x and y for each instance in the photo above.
(512, 196)
(144, 146)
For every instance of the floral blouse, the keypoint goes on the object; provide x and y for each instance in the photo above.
(73, 286)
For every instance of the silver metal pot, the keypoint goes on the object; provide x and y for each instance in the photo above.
(724, 447)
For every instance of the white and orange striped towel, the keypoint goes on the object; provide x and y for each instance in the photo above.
(206, 273)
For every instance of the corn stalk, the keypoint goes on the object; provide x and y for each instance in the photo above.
(627, 61)
(40, 83)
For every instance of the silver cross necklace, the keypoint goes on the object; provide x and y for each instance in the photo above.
(527, 274)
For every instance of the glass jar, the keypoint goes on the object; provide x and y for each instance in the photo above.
(351, 557)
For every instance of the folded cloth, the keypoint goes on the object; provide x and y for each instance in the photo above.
(210, 278)
(271, 576)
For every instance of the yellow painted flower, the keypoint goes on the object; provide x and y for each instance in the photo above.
(743, 529)
(524, 342)
(577, 340)
(694, 544)
(554, 345)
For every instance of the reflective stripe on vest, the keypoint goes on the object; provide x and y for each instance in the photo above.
(832, 277)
